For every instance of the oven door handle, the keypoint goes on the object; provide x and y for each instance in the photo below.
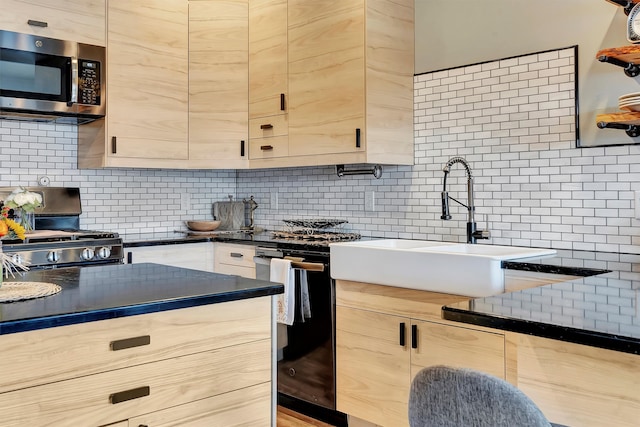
(308, 266)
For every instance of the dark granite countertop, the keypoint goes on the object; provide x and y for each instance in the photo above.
(601, 308)
(106, 292)
(598, 310)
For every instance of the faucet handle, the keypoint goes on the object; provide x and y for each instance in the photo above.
(482, 234)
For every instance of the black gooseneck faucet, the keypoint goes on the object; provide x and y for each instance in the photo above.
(473, 234)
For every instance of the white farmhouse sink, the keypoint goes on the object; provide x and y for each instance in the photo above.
(452, 268)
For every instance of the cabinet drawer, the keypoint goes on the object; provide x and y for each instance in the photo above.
(265, 127)
(236, 270)
(246, 407)
(54, 354)
(95, 400)
(266, 148)
(77, 20)
(239, 255)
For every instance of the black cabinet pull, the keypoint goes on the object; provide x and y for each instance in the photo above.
(266, 147)
(129, 257)
(414, 336)
(134, 393)
(113, 145)
(358, 138)
(241, 148)
(34, 23)
(130, 343)
(236, 255)
(282, 106)
(267, 126)
(402, 334)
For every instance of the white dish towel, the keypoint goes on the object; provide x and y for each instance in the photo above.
(281, 272)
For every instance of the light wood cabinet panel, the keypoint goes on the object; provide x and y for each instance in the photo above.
(268, 76)
(54, 354)
(89, 400)
(83, 21)
(372, 368)
(147, 97)
(147, 44)
(235, 259)
(218, 88)
(579, 385)
(377, 358)
(197, 256)
(444, 344)
(249, 407)
(326, 76)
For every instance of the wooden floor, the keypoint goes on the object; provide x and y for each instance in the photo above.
(288, 418)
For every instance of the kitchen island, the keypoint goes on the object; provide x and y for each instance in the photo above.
(135, 344)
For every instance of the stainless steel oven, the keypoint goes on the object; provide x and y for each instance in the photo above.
(51, 78)
(306, 349)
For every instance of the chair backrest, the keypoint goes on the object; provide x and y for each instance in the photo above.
(452, 397)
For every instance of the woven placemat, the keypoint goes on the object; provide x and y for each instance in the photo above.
(19, 291)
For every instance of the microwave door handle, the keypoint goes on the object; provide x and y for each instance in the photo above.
(74, 82)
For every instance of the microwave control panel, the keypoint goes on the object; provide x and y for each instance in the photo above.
(88, 82)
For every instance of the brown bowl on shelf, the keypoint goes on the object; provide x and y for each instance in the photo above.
(202, 225)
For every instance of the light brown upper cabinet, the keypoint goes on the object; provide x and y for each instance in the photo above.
(76, 20)
(218, 88)
(147, 88)
(268, 79)
(350, 83)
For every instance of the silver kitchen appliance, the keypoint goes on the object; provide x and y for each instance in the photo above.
(49, 79)
(57, 240)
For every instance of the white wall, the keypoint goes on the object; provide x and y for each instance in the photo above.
(455, 33)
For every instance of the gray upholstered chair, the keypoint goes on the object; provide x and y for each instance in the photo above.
(442, 396)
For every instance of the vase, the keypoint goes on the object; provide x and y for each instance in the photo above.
(27, 220)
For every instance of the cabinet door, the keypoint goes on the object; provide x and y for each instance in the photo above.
(441, 344)
(148, 81)
(247, 407)
(198, 256)
(78, 20)
(326, 76)
(372, 367)
(218, 90)
(267, 57)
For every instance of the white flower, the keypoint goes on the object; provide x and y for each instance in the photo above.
(22, 198)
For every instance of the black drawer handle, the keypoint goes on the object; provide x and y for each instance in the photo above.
(241, 148)
(267, 126)
(357, 137)
(402, 334)
(282, 105)
(130, 343)
(34, 23)
(414, 336)
(266, 147)
(236, 255)
(134, 393)
(113, 145)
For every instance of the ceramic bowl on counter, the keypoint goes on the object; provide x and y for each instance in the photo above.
(202, 225)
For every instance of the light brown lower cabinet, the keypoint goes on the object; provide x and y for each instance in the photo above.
(383, 340)
(579, 385)
(183, 381)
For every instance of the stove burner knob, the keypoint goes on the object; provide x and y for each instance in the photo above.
(53, 256)
(104, 252)
(17, 258)
(87, 254)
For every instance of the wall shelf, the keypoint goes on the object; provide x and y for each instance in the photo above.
(627, 57)
(626, 4)
(627, 121)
